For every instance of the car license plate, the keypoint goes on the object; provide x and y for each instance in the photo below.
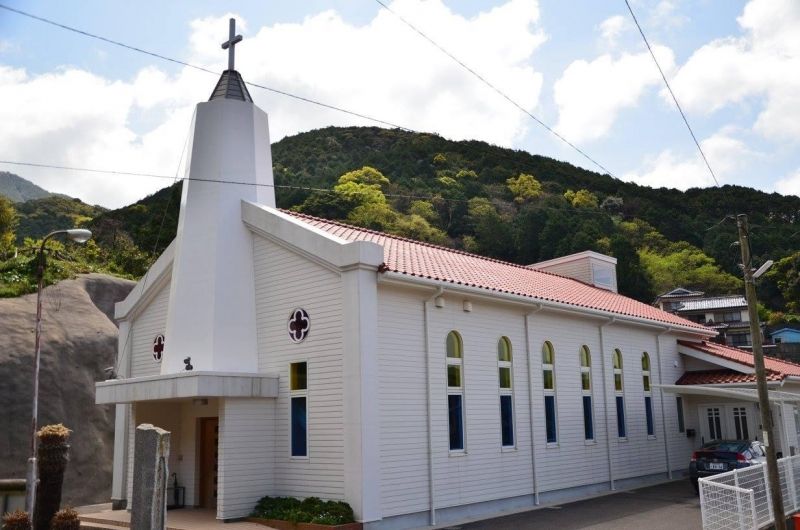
(716, 466)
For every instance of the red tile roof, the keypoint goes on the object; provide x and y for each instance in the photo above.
(425, 260)
(779, 366)
(724, 376)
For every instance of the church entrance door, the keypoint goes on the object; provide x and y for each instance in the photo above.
(209, 454)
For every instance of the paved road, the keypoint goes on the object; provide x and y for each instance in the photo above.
(671, 506)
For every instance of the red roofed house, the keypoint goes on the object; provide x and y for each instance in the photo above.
(294, 356)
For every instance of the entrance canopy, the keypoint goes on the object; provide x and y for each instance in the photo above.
(744, 394)
(187, 385)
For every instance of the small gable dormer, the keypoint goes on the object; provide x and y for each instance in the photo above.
(587, 266)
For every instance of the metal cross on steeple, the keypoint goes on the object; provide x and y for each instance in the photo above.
(233, 39)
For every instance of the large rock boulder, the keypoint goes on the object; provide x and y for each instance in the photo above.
(79, 340)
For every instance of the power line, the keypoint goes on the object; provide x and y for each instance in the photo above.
(671, 93)
(200, 68)
(494, 87)
(408, 196)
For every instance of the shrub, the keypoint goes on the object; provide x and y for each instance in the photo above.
(17, 520)
(309, 510)
(66, 519)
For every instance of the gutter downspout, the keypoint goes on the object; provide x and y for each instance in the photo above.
(431, 490)
(605, 401)
(661, 398)
(530, 404)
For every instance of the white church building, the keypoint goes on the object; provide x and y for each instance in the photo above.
(295, 356)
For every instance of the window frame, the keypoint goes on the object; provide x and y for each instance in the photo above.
(619, 394)
(647, 386)
(506, 391)
(295, 393)
(456, 361)
(587, 393)
(681, 418)
(550, 393)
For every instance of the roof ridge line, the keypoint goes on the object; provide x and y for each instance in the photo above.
(446, 249)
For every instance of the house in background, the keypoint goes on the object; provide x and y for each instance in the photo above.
(726, 314)
(786, 343)
(786, 336)
(673, 299)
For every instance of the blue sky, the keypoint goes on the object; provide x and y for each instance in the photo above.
(580, 66)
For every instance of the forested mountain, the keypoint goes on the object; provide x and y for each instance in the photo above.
(505, 204)
(17, 189)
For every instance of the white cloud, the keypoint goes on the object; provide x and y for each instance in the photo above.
(789, 185)
(764, 63)
(612, 27)
(726, 154)
(73, 117)
(590, 95)
(666, 15)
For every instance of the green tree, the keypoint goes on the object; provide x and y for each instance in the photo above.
(581, 198)
(687, 266)
(8, 224)
(524, 187)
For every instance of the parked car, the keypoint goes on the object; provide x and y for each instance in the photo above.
(720, 456)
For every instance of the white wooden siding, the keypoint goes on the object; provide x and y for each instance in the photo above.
(486, 471)
(149, 323)
(285, 281)
(639, 454)
(246, 455)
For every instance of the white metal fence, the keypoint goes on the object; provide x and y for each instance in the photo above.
(740, 499)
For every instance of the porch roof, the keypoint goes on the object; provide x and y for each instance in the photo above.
(744, 394)
(186, 385)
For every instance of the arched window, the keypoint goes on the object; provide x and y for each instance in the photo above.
(455, 390)
(586, 391)
(505, 379)
(619, 393)
(648, 399)
(549, 383)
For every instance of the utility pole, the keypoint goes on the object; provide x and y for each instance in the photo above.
(758, 360)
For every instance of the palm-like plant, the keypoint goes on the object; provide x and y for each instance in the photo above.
(52, 457)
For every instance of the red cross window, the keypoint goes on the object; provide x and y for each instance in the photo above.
(299, 325)
(158, 348)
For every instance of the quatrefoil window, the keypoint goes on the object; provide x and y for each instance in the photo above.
(299, 325)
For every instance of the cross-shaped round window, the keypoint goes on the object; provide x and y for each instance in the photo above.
(299, 325)
(158, 348)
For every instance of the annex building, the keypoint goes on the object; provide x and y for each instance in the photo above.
(296, 356)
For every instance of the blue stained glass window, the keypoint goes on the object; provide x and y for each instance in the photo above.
(299, 427)
(507, 420)
(621, 417)
(456, 420)
(550, 418)
(648, 411)
(588, 423)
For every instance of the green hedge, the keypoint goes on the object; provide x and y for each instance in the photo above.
(310, 510)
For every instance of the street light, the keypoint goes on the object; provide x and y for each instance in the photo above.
(79, 235)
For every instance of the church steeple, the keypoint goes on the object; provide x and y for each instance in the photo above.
(230, 84)
(210, 317)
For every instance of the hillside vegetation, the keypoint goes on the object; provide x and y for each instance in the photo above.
(506, 204)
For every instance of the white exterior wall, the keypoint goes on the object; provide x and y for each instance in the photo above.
(572, 461)
(246, 442)
(403, 402)
(284, 281)
(149, 322)
(638, 454)
(487, 471)
(673, 366)
(579, 269)
(484, 471)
